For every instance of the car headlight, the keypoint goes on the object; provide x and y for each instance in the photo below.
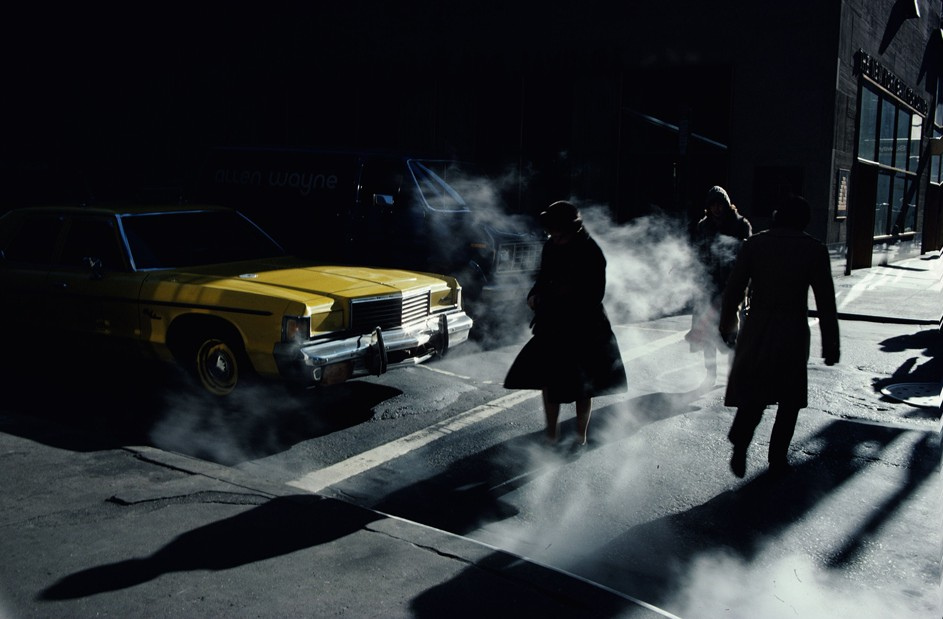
(447, 298)
(296, 328)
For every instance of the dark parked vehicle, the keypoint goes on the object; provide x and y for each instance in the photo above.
(381, 209)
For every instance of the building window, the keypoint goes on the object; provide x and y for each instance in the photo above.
(883, 207)
(936, 161)
(867, 142)
(896, 210)
(887, 112)
(916, 129)
(889, 136)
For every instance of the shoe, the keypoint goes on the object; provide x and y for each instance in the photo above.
(738, 462)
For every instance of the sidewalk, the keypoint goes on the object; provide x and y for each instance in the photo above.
(90, 530)
(906, 292)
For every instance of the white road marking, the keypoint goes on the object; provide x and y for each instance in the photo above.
(316, 481)
(650, 347)
(322, 478)
(445, 372)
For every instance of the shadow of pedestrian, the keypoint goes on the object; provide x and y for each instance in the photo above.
(743, 522)
(468, 495)
(522, 589)
(929, 341)
(651, 407)
(278, 527)
(924, 369)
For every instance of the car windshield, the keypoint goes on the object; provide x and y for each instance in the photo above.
(194, 238)
(437, 181)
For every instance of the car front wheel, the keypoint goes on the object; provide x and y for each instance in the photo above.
(217, 366)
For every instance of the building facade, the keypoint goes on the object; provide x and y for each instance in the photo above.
(885, 176)
(639, 106)
(642, 107)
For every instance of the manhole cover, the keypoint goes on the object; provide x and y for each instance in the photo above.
(925, 395)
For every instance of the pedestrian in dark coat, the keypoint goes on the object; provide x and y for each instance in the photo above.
(573, 355)
(717, 239)
(772, 351)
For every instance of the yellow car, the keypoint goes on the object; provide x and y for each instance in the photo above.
(205, 287)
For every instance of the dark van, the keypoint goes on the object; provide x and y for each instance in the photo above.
(381, 209)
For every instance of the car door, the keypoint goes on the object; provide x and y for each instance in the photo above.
(96, 291)
(28, 245)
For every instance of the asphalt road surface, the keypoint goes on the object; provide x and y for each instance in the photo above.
(649, 508)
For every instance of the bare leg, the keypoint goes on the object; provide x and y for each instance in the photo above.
(584, 410)
(552, 413)
(710, 362)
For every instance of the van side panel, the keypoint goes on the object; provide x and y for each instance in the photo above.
(302, 198)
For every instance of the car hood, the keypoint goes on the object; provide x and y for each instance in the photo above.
(299, 281)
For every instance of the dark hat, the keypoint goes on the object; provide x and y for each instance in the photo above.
(561, 216)
(794, 212)
(717, 194)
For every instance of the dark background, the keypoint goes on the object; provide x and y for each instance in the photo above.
(121, 102)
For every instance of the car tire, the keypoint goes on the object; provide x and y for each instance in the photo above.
(218, 365)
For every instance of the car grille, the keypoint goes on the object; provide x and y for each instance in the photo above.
(516, 257)
(388, 312)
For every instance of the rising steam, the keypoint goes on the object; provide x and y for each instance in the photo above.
(652, 270)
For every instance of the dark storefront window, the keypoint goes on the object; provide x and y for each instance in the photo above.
(916, 128)
(889, 133)
(891, 216)
(882, 209)
(889, 136)
(935, 161)
(869, 120)
(902, 207)
(888, 116)
(902, 142)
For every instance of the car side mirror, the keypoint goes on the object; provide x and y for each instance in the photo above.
(94, 265)
(383, 200)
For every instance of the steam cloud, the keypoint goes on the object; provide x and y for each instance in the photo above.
(568, 514)
(720, 585)
(653, 272)
(228, 431)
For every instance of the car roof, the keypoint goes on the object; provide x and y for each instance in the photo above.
(122, 209)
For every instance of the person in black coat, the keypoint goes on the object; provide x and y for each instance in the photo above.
(717, 239)
(770, 364)
(573, 355)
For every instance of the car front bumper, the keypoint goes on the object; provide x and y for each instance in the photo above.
(325, 362)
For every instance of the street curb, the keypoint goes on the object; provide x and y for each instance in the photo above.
(552, 581)
(880, 319)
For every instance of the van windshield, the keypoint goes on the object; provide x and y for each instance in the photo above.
(436, 181)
